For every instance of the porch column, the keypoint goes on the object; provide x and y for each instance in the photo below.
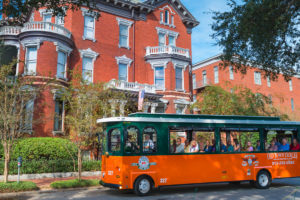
(153, 107)
(113, 103)
(122, 107)
(146, 106)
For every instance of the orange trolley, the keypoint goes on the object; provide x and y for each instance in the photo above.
(147, 151)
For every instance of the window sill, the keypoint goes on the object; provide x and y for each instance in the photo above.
(28, 74)
(92, 39)
(58, 133)
(124, 47)
(180, 90)
(166, 24)
(61, 78)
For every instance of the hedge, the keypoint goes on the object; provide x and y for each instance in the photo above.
(49, 166)
(44, 148)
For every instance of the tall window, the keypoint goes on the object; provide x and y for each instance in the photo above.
(292, 104)
(166, 16)
(162, 39)
(123, 72)
(172, 40)
(89, 27)
(87, 69)
(162, 17)
(60, 20)
(179, 78)
(58, 118)
(257, 78)
(61, 64)
(231, 76)
(216, 74)
(172, 20)
(28, 115)
(268, 81)
(31, 59)
(47, 17)
(291, 85)
(194, 81)
(123, 36)
(159, 78)
(204, 77)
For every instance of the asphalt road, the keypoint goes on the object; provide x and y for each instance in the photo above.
(287, 189)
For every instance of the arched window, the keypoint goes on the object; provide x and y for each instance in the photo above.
(149, 140)
(167, 17)
(132, 140)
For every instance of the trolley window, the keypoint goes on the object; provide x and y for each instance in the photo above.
(149, 140)
(132, 140)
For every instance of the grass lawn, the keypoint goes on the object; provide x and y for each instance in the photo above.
(15, 187)
(74, 183)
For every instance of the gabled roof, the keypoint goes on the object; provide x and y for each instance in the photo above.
(187, 18)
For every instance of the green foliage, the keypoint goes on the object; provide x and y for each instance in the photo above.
(74, 183)
(49, 166)
(215, 100)
(260, 33)
(44, 148)
(20, 10)
(17, 187)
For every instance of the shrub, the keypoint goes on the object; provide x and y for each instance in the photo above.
(49, 166)
(17, 187)
(44, 148)
(74, 183)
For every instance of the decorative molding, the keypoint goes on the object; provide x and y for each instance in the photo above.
(86, 11)
(182, 64)
(124, 60)
(167, 32)
(181, 101)
(45, 11)
(88, 53)
(27, 43)
(62, 47)
(159, 63)
(124, 22)
(168, 7)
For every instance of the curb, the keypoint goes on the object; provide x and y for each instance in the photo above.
(45, 191)
(50, 175)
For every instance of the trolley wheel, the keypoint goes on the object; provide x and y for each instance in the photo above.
(263, 180)
(143, 186)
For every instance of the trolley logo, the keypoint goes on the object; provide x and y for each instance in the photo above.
(250, 160)
(143, 163)
(283, 156)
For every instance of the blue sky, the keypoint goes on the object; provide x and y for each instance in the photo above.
(203, 46)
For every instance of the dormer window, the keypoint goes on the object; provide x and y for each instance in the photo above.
(167, 16)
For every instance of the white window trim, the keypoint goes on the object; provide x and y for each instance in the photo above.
(181, 103)
(25, 47)
(183, 65)
(290, 85)
(124, 60)
(216, 72)
(90, 54)
(256, 80)
(231, 73)
(171, 13)
(94, 14)
(268, 81)
(67, 51)
(57, 18)
(174, 40)
(128, 24)
(167, 32)
(159, 63)
(57, 95)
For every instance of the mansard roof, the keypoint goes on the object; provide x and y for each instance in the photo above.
(148, 6)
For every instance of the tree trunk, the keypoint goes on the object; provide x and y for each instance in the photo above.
(79, 164)
(6, 161)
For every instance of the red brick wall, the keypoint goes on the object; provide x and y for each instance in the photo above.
(279, 90)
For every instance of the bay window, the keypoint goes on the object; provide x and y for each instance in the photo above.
(31, 60)
(179, 78)
(61, 64)
(159, 78)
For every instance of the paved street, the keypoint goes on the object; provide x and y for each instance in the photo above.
(287, 189)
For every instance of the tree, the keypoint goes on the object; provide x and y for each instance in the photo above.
(17, 96)
(260, 33)
(19, 10)
(215, 100)
(85, 103)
